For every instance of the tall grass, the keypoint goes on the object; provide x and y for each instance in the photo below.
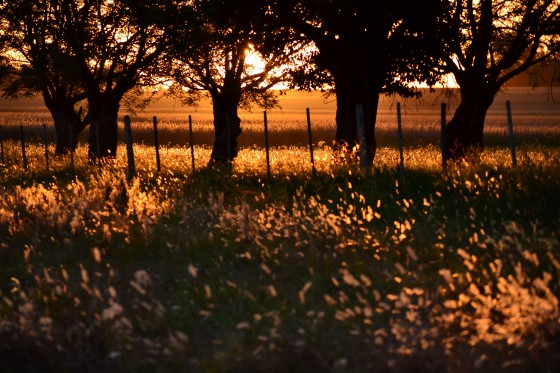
(535, 116)
(335, 272)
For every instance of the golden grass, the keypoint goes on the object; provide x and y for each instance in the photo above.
(421, 271)
(535, 118)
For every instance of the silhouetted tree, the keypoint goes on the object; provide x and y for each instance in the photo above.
(115, 45)
(364, 49)
(6, 69)
(38, 61)
(493, 41)
(210, 55)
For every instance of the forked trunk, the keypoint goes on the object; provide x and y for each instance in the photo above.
(347, 96)
(67, 122)
(103, 132)
(67, 129)
(465, 131)
(227, 128)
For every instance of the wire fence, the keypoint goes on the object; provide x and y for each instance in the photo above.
(45, 139)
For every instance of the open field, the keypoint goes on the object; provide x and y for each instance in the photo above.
(334, 272)
(535, 113)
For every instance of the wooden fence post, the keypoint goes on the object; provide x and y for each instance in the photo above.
(229, 152)
(511, 137)
(24, 156)
(191, 142)
(129, 148)
(267, 148)
(399, 130)
(309, 134)
(2, 146)
(46, 146)
(71, 134)
(362, 138)
(97, 139)
(443, 134)
(156, 142)
(71, 142)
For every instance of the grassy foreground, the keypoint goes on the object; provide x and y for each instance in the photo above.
(339, 272)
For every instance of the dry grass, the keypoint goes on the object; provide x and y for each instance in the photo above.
(206, 272)
(337, 272)
(535, 119)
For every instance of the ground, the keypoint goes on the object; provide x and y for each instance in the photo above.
(414, 270)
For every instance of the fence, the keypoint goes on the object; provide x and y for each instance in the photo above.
(128, 135)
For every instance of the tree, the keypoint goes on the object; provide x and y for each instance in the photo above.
(493, 41)
(212, 53)
(37, 61)
(364, 49)
(115, 45)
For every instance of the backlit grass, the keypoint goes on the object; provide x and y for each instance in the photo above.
(421, 271)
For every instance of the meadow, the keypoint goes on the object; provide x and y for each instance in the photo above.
(211, 271)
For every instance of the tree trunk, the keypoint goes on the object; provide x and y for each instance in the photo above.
(66, 140)
(347, 96)
(103, 132)
(225, 111)
(464, 132)
(64, 115)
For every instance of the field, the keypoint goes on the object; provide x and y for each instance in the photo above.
(333, 272)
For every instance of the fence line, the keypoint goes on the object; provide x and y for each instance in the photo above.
(24, 157)
(362, 138)
(359, 122)
(2, 146)
(267, 150)
(229, 150)
(310, 137)
(97, 138)
(400, 136)
(443, 134)
(191, 143)
(156, 143)
(510, 132)
(129, 147)
(71, 142)
(45, 140)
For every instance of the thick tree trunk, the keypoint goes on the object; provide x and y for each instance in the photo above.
(225, 146)
(64, 116)
(464, 132)
(67, 138)
(347, 96)
(103, 132)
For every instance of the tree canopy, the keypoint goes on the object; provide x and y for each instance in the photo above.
(101, 50)
(116, 46)
(39, 62)
(364, 49)
(491, 42)
(230, 51)
(391, 42)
